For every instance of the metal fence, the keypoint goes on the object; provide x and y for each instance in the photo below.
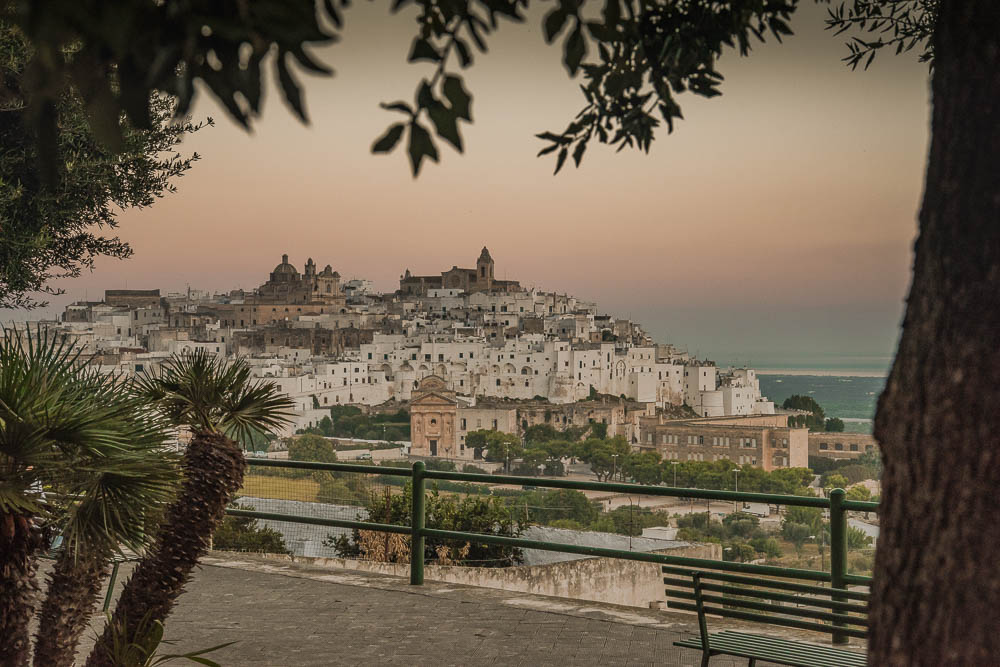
(347, 513)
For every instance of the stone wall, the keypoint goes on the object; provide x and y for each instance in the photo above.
(610, 580)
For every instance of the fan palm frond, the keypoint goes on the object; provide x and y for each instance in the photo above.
(204, 392)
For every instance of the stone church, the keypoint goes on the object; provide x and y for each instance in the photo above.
(479, 279)
(287, 285)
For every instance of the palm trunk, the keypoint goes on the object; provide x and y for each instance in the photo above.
(213, 473)
(20, 542)
(72, 594)
(936, 589)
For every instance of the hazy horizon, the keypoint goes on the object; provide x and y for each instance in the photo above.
(775, 223)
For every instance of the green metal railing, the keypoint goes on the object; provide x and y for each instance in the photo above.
(837, 504)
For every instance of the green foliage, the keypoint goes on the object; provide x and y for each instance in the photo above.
(635, 58)
(739, 551)
(900, 25)
(237, 533)
(55, 218)
(139, 647)
(170, 49)
(475, 514)
(349, 422)
(561, 505)
(599, 430)
(311, 448)
(540, 434)
(834, 425)
(859, 492)
(88, 438)
(499, 446)
(796, 533)
(857, 539)
(606, 457)
(205, 392)
(814, 421)
(807, 403)
(468, 467)
(834, 481)
(740, 524)
(811, 517)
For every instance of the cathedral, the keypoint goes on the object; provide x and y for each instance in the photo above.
(287, 285)
(479, 279)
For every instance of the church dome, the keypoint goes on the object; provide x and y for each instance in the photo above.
(284, 269)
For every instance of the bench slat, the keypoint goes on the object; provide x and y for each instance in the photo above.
(843, 607)
(777, 650)
(769, 583)
(785, 597)
(771, 620)
(787, 610)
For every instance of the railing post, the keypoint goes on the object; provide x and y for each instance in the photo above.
(838, 552)
(417, 526)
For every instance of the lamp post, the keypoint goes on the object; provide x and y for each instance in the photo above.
(614, 465)
(736, 474)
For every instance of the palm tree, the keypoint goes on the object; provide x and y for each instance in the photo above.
(221, 404)
(78, 457)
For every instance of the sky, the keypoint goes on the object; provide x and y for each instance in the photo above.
(774, 225)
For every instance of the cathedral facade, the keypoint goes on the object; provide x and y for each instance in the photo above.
(287, 285)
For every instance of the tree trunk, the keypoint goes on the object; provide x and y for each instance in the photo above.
(20, 542)
(213, 473)
(936, 595)
(72, 594)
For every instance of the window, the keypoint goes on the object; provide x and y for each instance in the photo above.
(433, 422)
(369, 355)
(463, 423)
(824, 445)
(854, 447)
(494, 424)
(839, 446)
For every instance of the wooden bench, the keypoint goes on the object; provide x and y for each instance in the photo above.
(56, 549)
(770, 601)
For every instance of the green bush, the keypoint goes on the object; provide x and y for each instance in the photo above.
(237, 533)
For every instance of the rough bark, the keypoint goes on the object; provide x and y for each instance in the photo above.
(936, 587)
(72, 595)
(213, 473)
(20, 542)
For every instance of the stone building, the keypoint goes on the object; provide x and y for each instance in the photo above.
(319, 340)
(433, 412)
(841, 445)
(479, 279)
(764, 441)
(133, 298)
(285, 285)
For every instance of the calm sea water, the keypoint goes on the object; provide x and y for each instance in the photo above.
(850, 398)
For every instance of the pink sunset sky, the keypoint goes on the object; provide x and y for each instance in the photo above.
(776, 220)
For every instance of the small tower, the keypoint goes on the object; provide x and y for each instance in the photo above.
(310, 268)
(484, 270)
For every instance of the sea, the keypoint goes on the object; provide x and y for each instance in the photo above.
(852, 398)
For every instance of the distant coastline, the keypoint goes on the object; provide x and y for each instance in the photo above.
(824, 372)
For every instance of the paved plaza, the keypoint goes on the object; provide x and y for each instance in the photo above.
(289, 613)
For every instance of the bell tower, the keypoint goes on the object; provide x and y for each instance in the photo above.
(484, 270)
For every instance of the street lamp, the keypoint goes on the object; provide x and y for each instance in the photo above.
(736, 473)
(614, 465)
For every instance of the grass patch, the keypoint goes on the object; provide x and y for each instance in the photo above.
(283, 488)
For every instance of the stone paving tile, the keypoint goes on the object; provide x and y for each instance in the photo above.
(285, 614)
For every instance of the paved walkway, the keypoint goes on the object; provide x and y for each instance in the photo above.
(283, 613)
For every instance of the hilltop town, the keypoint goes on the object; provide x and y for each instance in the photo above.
(462, 351)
